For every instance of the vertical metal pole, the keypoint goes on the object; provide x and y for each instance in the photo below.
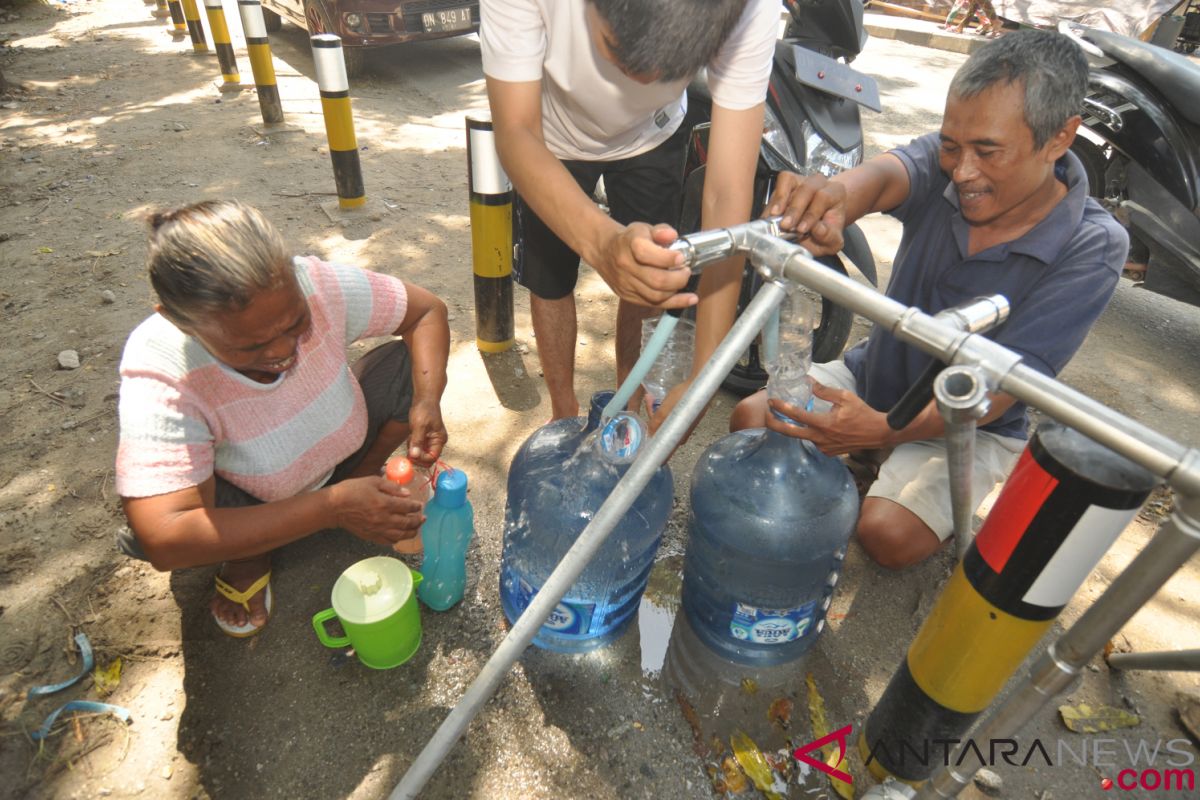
(161, 11)
(1175, 543)
(339, 119)
(1066, 502)
(962, 398)
(191, 15)
(179, 25)
(492, 237)
(223, 44)
(656, 452)
(258, 47)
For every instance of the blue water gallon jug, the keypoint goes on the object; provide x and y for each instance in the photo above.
(770, 519)
(558, 480)
(449, 526)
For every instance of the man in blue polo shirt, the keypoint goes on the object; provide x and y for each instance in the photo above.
(993, 203)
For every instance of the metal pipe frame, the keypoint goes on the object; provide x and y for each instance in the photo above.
(1167, 660)
(778, 260)
(657, 450)
(1176, 541)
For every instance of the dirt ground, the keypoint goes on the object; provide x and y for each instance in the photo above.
(110, 117)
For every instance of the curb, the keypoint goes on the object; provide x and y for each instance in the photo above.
(951, 42)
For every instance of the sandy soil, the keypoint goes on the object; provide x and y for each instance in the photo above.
(111, 117)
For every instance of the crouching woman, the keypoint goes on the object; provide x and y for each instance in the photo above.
(243, 427)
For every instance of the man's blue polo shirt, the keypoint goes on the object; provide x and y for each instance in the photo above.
(1058, 277)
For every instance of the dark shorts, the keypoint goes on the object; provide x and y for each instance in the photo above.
(643, 188)
(385, 375)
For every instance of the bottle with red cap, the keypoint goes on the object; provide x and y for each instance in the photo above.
(417, 481)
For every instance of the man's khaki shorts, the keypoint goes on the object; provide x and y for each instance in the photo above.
(914, 475)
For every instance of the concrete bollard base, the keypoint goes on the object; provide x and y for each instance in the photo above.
(263, 129)
(224, 87)
(370, 211)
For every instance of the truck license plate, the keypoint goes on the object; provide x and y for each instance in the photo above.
(452, 19)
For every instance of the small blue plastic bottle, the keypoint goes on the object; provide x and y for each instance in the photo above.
(559, 478)
(449, 526)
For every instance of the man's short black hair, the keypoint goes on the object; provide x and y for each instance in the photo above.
(670, 39)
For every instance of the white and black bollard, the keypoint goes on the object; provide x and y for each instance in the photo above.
(339, 120)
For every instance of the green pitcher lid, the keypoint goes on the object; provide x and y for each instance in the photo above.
(372, 589)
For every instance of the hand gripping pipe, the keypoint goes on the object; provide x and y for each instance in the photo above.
(1178, 539)
(699, 250)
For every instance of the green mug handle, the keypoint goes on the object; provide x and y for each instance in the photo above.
(319, 621)
(416, 577)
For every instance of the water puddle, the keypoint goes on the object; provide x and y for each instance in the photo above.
(656, 614)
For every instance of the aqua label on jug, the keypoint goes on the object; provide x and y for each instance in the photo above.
(770, 625)
(568, 618)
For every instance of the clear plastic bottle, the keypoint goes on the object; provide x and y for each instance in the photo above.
(674, 362)
(558, 479)
(447, 532)
(416, 480)
(790, 361)
(770, 519)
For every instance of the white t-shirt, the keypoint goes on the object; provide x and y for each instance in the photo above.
(590, 110)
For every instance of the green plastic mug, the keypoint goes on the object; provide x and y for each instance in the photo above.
(376, 602)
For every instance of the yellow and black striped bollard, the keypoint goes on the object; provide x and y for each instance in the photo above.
(339, 119)
(161, 11)
(258, 47)
(491, 239)
(178, 23)
(231, 80)
(191, 16)
(1066, 502)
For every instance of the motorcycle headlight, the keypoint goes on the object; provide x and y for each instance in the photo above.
(823, 157)
(776, 136)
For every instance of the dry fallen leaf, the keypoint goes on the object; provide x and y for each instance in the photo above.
(733, 777)
(781, 712)
(1084, 718)
(755, 765)
(108, 678)
(820, 728)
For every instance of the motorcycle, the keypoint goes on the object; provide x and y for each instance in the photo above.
(1140, 146)
(812, 125)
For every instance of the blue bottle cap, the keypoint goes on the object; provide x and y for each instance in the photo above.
(451, 491)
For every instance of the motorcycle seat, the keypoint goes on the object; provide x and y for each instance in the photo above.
(1173, 75)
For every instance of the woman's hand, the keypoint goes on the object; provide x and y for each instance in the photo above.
(429, 435)
(376, 510)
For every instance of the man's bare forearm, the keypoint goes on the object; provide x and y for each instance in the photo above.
(548, 188)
